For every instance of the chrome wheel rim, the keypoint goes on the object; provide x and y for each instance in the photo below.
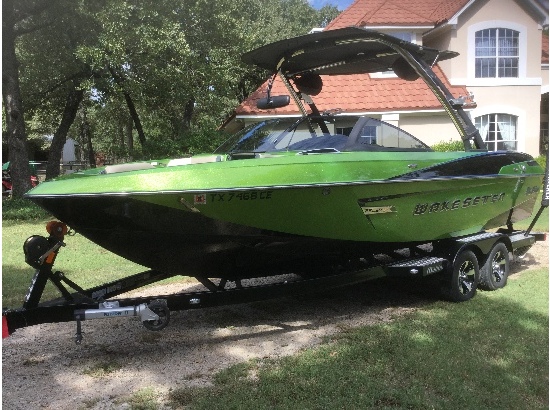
(466, 277)
(498, 266)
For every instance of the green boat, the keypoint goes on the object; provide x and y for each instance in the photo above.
(291, 195)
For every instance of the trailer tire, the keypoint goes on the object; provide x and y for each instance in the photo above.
(495, 270)
(461, 284)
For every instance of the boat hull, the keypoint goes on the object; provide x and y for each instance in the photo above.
(259, 231)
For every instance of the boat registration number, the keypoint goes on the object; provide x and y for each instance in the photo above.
(235, 196)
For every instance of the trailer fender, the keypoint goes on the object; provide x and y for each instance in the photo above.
(481, 245)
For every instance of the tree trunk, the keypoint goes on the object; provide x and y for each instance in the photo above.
(86, 136)
(74, 97)
(188, 114)
(131, 106)
(11, 96)
(135, 117)
(129, 138)
(91, 153)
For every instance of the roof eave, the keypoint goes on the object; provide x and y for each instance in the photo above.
(354, 113)
(540, 11)
(400, 27)
(453, 20)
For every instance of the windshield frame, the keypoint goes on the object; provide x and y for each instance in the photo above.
(272, 136)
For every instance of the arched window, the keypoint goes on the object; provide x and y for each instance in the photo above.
(499, 131)
(496, 53)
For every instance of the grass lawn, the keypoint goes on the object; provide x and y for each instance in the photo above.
(488, 353)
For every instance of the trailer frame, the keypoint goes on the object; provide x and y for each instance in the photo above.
(437, 259)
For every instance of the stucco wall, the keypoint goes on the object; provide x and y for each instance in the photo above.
(525, 105)
(430, 129)
(515, 96)
(489, 14)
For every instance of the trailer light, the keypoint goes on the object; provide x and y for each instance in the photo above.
(414, 271)
(5, 329)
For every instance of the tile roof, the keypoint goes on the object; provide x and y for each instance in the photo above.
(397, 13)
(358, 93)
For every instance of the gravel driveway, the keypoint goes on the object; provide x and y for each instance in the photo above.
(44, 369)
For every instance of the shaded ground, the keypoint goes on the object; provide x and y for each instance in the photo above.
(44, 369)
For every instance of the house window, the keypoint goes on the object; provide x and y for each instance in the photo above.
(344, 130)
(498, 131)
(368, 134)
(496, 53)
(402, 35)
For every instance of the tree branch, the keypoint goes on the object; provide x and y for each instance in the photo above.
(119, 80)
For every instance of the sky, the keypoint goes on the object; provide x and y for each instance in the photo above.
(341, 4)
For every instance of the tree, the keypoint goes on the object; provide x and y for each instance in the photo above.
(12, 17)
(156, 69)
(53, 79)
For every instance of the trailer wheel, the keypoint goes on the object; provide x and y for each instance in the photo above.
(163, 313)
(461, 285)
(495, 270)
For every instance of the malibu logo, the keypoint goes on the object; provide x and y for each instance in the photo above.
(444, 206)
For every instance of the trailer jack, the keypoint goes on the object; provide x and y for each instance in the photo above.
(154, 316)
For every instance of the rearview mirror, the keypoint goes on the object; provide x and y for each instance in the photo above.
(276, 101)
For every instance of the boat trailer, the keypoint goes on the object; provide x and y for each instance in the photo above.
(459, 266)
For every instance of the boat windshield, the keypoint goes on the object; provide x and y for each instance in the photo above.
(321, 134)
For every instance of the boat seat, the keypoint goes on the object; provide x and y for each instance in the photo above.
(135, 166)
(194, 160)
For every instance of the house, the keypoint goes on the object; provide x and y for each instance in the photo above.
(499, 65)
(69, 151)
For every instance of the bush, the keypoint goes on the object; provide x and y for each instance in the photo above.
(541, 159)
(446, 146)
(20, 209)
